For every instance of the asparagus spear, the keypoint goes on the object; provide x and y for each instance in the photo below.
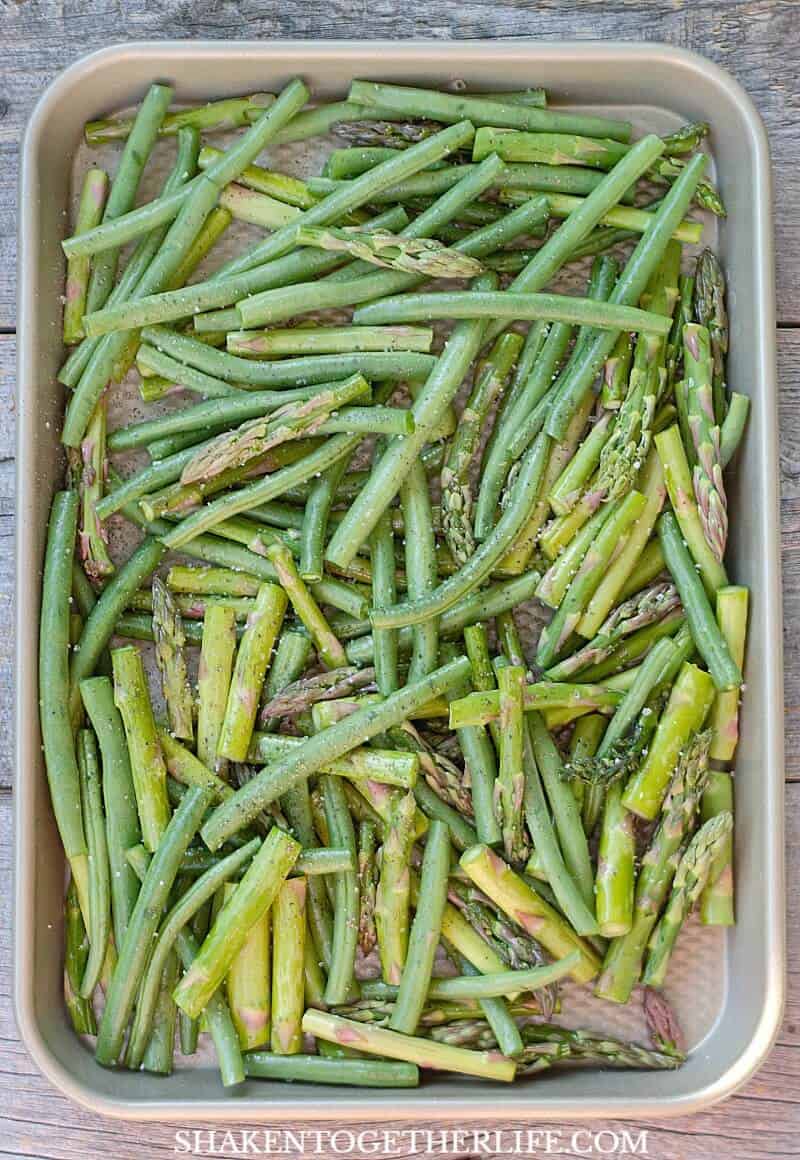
(716, 901)
(368, 876)
(457, 500)
(393, 895)
(251, 665)
(147, 762)
(392, 1045)
(213, 681)
(379, 132)
(686, 710)
(623, 958)
(522, 904)
(626, 450)
(381, 248)
(76, 953)
(90, 211)
(648, 606)
(732, 605)
(687, 886)
(170, 642)
(300, 695)
(256, 436)
(230, 113)
(248, 983)
(510, 779)
(249, 902)
(710, 312)
(289, 933)
(709, 488)
(329, 648)
(91, 473)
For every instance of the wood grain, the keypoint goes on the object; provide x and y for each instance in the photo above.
(751, 38)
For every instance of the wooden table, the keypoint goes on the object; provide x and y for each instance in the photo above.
(759, 42)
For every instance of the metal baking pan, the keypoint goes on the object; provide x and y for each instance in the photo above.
(727, 987)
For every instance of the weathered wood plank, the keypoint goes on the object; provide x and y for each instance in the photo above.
(761, 1121)
(751, 38)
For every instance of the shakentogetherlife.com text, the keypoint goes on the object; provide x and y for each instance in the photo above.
(411, 1142)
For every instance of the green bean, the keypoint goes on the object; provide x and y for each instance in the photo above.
(384, 593)
(346, 906)
(57, 739)
(217, 1014)
(197, 198)
(252, 660)
(220, 291)
(358, 193)
(152, 898)
(479, 565)
(116, 320)
(315, 1069)
(124, 186)
(629, 287)
(477, 606)
(421, 567)
(296, 804)
(325, 747)
(480, 760)
(183, 169)
(566, 814)
(448, 107)
(132, 698)
(584, 216)
(339, 594)
(274, 485)
(129, 225)
(425, 930)
(121, 817)
(398, 458)
(99, 878)
(706, 633)
(462, 833)
(175, 920)
(348, 289)
(509, 305)
(99, 626)
(547, 851)
(287, 372)
(498, 458)
(329, 649)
